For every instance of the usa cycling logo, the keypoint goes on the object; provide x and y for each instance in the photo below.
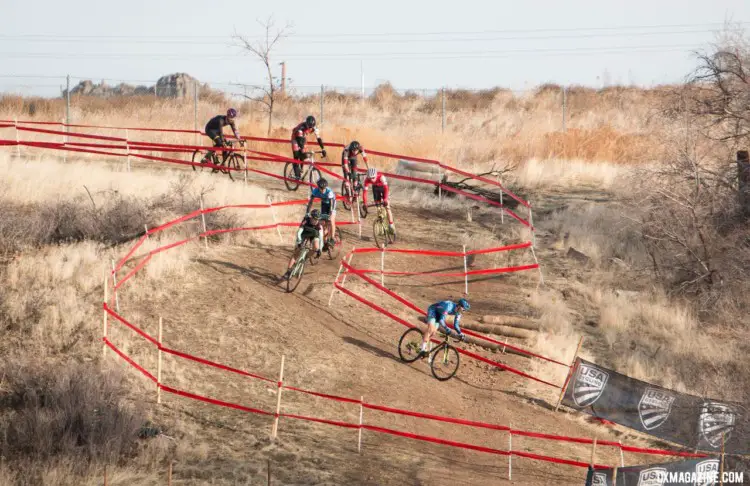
(716, 420)
(707, 472)
(653, 476)
(655, 407)
(590, 383)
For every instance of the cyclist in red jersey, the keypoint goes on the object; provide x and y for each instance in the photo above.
(349, 161)
(380, 192)
(299, 139)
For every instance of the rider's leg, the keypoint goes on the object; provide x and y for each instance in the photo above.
(390, 215)
(297, 243)
(332, 220)
(431, 330)
(318, 243)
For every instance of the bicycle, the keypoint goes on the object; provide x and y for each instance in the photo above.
(444, 358)
(305, 255)
(332, 251)
(291, 181)
(232, 161)
(351, 194)
(381, 229)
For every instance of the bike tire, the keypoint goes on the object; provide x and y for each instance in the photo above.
(347, 194)
(289, 181)
(298, 270)
(380, 233)
(333, 253)
(406, 345)
(444, 358)
(315, 176)
(197, 157)
(362, 209)
(236, 162)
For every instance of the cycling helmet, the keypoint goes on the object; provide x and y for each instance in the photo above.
(355, 146)
(315, 214)
(310, 120)
(232, 113)
(464, 303)
(372, 173)
(322, 183)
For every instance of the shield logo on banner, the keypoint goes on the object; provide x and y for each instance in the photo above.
(653, 476)
(655, 407)
(600, 479)
(590, 383)
(707, 472)
(716, 419)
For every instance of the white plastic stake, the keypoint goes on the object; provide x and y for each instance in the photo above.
(203, 219)
(278, 400)
(343, 280)
(361, 415)
(158, 366)
(114, 287)
(127, 148)
(510, 453)
(341, 267)
(104, 325)
(382, 266)
(466, 274)
(64, 139)
(359, 219)
(244, 156)
(502, 209)
(539, 267)
(18, 140)
(622, 456)
(531, 227)
(273, 215)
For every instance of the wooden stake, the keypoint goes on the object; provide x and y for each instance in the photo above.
(278, 402)
(721, 463)
(114, 286)
(127, 148)
(244, 156)
(158, 365)
(268, 468)
(203, 218)
(104, 325)
(359, 219)
(466, 274)
(169, 474)
(510, 452)
(502, 207)
(593, 453)
(18, 140)
(105, 476)
(622, 456)
(361, 416)
(382, 266)
(570, 373)
(145, 226)
(541, 277)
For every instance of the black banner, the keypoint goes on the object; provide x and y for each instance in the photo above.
(600, 477)
(703, 472)
(694, 422)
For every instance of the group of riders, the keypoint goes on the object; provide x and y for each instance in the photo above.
(312, 226)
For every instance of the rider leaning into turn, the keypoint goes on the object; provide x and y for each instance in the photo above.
(299, 139)
(436, 314)
(215, 131)
(327, 205)
(380, 192)
(349, 161)
(311, 228)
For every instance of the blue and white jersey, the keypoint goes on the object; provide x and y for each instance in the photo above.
(440, 310)
(327, 199)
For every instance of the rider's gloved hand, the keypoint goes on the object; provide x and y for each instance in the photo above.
(461, 336)
(324, 154)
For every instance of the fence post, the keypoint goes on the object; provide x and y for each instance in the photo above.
(443, 90)
(510, 452)
(278, 400)
(622, 456)
(359, 219)
(114, 286)
(321, 104)
(127, 148)
(334, 289)
(244, 156)
(158, 365)
(541, 277)
(531, 226)
(273, 215)
(203, 219)
(104, 324)
(18, 140)
(593, 453)
(361, 415)
(64, 139)
(721, 463)
(564, 106)
(466, 273)
(382, 266)
(67, 100)
(570, 372)
(743, 175)
(169, 474)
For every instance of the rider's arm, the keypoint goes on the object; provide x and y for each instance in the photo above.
(386, 189)
(234, 130)
(457, 324)
(332, 197)
(320, 140)
(364, 155)
(364, 190)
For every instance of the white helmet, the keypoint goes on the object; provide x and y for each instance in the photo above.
(372, 173)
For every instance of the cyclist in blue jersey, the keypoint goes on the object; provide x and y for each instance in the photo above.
(436, 314)
(327, 206)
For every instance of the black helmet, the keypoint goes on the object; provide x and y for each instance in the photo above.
(355, 146)
(322, 183)
(315, 214)
(310, 120)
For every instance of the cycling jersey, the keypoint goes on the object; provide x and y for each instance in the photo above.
(217, 123)
(299, 136)
(310, 230)
(327, 200)
(438, 311)
(379, 188)
(349, 161)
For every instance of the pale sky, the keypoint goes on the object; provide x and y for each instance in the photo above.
(414, 45)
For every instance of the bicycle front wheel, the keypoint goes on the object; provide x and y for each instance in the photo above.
(290, 180)
(234, 164)
(444, 362)
(346, 192)
(198, 158)
(315, 176)
(380, 233)
(297, 271)
(410, 344)
(333, 252)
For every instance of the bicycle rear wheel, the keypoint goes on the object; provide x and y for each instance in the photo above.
(197, 158)
(346, 192)
(297, 271)
(410, 344)
(444, 362)
(315, 176)
(290, 181)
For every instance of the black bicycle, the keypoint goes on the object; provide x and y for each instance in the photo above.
(305, 254)
(443, 358)
(334, 250)
(351, 190)
(232, 162)
(311, 172)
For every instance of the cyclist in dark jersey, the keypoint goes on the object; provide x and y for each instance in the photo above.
(311, 228)
(299, 139)
(349, 160)
(214, 131)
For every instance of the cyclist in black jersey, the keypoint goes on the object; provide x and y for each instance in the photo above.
(299, 139)
(311, 228)
(215, 131)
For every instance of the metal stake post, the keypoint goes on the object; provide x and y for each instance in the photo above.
(444, 109)
(278, 400)
(67, 101)
(203, 219)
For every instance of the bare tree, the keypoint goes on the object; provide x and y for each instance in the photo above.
(262, 49)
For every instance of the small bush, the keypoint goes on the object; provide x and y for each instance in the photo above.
(74, 410)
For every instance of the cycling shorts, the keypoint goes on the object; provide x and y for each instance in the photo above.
(378, 193)
(213, 134)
